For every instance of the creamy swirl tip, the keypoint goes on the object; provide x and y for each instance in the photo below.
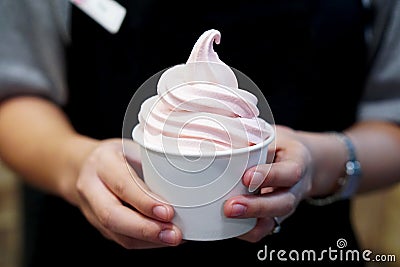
(199, 106)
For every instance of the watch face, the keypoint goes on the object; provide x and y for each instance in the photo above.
(353, 167)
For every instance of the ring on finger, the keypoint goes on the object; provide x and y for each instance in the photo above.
(277, 227)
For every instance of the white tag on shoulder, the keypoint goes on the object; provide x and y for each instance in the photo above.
(108, 13)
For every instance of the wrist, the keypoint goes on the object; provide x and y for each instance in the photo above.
(75, 149)
(347, 183)
(328, 155)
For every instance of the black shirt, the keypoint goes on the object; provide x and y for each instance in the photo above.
(308, 58)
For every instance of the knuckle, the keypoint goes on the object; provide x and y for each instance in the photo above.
(120, 188)
(120, 154)
(290, 203)
(79, 187)
(271, 175)
(259, 210)
(147, 232)
(298, 171)
(102, 153)
(92, 158)
(106, 219)
(80, 184)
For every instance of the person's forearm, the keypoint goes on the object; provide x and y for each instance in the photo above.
(377, 147)
(38, 142)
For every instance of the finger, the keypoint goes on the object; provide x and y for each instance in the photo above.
(112, 216)
(125, 241)
(128, 226)
(279, 174)
(275, 204)
(131, 243)
(263, 228)
(122, 180)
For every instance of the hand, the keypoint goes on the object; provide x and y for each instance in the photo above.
(282, 185)
(112, 198)
(91, 174)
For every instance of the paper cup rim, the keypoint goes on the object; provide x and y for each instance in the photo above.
(137, 136)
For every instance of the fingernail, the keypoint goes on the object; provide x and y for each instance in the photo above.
(238, 210)
(167, 236)
(161, 212)
(255, 182)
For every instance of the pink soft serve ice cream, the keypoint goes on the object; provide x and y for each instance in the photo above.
(197, 137)
(199, 106)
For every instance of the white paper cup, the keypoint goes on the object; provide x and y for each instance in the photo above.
(197, 186)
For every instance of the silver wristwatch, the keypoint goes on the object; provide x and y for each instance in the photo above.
(349, 183)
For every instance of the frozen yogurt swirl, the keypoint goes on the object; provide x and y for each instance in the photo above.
(199, 106)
